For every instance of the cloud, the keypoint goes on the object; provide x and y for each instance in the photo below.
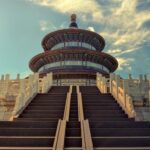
(88, 7)
(91, 29)
(125, 63)
(114, 51)
(125, 29)
(46, 26)
(127, 7)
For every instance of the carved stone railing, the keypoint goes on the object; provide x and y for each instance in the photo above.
(87, 143)
(80, 104)
(67, 105)
(9, 87)
(61, 127)
(9, 90)
(47, 83)
(122, 98)
(118, 88)
(28, 90)
(102, 83)
(60, 135)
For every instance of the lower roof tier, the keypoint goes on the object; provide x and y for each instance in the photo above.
(73, 58)
(66, 74)
(78, 70)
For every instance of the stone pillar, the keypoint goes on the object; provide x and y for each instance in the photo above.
(7, 77)
(22, 86)
(140, 77)
(130, 77)
(2, 77)
(149, 92)
(18, 77)
(117, 79)
(145, 77)
(110, 82)
(126, 89)
(6, 83)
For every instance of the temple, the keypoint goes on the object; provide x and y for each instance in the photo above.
(74, 56)
(74, 100)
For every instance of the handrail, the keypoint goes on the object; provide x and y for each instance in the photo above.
(83, 136)
(80, 105)
(56, 134)
(60, 135)
(117, 89)
(17, 113)
(85, 129)
(67, 105)
(47, 83)
(123, 99)
(28, 90)
(87, 135)
(61, 127)
(102, 83)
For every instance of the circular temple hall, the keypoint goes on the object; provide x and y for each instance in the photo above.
(74, 56)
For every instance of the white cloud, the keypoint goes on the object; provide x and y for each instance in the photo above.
(125, 63)
(46, 26)
(91, 29)
(88, 7)
(114, 51)
(127, 7)
(43, 25)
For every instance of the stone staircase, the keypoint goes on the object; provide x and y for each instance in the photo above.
(110, 126)
(36, 126)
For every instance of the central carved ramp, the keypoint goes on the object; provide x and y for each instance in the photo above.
(73, 130)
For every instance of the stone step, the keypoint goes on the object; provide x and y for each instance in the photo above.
(40, 115)
(28, 124)
(121, 141)
(45, 107)
(37, 141)
(37, 119)
(118, 124)
(97, 115)
(27, 131)
(73, 124)
(26, 148)
(120, 131)
(43, 111)
(73, 142)
(73, 132)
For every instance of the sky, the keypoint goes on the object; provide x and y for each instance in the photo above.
(124, 24)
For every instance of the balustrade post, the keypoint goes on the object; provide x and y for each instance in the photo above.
(7, 77)
(125, 90)
(110, 82)
(145, 77)
(117, 79)
(6, 84)
(18, 77)
(104, 85)
(2, 77)
(140, 78)
(22, 86)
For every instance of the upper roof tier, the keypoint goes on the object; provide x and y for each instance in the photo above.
(73, 35)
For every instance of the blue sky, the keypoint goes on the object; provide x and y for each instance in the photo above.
(125, 25)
